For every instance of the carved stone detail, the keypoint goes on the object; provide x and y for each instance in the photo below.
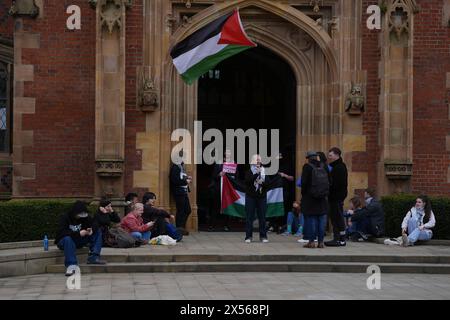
(398, 171)
(300, 39)
(24, 8)
(148, 94)
(111, 12)
(399, 17)
(109, 168)
(354, 104)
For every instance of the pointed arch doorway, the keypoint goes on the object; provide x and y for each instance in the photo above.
(253, 90)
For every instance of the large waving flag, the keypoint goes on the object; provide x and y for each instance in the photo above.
(207, 47)
(233, 197)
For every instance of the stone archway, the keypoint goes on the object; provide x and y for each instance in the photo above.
(297, 40)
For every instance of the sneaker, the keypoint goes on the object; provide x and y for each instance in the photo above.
(71, 270)
(248, 240)
(405, 240)
(302, 241)
(265, 240)
(321, 245)
(94, 259)
(392, 242)
(226, 229)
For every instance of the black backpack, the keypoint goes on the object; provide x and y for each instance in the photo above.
(320, 185)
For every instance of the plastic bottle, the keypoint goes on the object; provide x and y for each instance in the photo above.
(45, 243)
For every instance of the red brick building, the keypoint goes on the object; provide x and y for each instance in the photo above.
(76, 121)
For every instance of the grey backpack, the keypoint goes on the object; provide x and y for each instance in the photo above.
(119, 238)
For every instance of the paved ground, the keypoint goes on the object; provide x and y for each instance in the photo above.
(228, 286)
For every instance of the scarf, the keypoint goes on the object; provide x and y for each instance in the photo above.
(261, 176)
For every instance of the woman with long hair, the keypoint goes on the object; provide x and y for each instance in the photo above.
(418, 222)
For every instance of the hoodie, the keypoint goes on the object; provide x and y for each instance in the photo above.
(72, 222)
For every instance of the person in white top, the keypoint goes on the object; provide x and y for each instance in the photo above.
(418, 222)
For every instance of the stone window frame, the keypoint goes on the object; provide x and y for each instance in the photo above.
(7, 63)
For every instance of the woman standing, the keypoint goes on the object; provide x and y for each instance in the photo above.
(418, 222)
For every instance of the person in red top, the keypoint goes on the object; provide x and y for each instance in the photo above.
(134, 224)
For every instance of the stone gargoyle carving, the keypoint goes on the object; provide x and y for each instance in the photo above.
(354, 104)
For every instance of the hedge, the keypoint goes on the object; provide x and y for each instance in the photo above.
(24, 220)
(395, 208)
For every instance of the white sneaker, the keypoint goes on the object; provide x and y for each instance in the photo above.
(265, 240)
(248, 240)
(71, 270)
(391, 242)
(302, 241)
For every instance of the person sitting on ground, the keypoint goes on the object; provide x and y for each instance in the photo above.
(76, 230)
(163, 220)
(295, 221)
(418, 222)
(134, 224)
(355, 205)
(370, 219)
(105, 217)
(130, 200)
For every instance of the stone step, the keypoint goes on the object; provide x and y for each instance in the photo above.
(155, 258)
(314, 267)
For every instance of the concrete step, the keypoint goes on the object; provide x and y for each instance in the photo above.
(315, 267)
(157, 258)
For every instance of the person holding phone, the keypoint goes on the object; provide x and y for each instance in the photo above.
(104, 218)
(76, 230)
(135, 226)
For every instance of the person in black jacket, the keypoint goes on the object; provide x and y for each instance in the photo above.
(105, 217)
(161, 218)
(314, 209)
(179, 185)
(338, 193)
(370, 219)
(76, 230)
(256, 199)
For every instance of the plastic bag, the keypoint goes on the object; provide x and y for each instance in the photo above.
(163, 240)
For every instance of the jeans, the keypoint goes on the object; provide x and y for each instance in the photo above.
(315, 228)
(415, 234)
(70, 246)
(172, 231)
(295, 222)
(141, 236)
(260, 206)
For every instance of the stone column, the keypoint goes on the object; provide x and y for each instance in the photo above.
(110, 98)
(396, 98)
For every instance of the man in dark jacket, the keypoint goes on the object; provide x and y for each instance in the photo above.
(256, 199)
(104, 218)
(76, 230)
(161, 218)
(338, 193)
(179, 186)
(370, 219)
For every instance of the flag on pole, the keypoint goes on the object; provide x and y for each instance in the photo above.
(207, 47)
(233, 197)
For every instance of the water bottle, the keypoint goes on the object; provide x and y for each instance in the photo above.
(45, 243)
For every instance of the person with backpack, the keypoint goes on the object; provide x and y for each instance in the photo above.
(76, 230)
(338, 193)
(314, 205)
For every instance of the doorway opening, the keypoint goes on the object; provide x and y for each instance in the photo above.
(253, 90)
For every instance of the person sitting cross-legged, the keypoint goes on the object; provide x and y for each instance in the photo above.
(76, 230)
(134, 224)
(418, 222)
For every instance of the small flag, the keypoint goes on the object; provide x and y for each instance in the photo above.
(207, 47)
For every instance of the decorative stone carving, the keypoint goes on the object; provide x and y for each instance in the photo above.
(24, 8)
(109, 168)
(399, 15)
(354, 104)
(300, 39)
(398, 171)
(316, 4)
(111, 12)
(149, 98)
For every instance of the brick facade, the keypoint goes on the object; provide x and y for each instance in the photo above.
(63, 86)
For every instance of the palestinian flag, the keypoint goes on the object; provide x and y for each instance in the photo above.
(233, 197)
(205, 48)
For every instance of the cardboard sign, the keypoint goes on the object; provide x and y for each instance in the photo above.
(229, 167)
